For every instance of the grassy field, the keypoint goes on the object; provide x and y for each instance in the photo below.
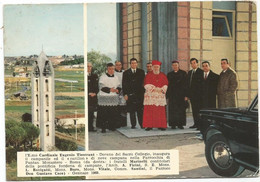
(15, 108)
(70, 75)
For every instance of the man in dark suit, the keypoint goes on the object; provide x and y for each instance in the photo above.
(209, 86)
(209, 90)
(92, 96)
(195, 78)
(133, 91)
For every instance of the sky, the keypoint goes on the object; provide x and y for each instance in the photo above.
(56, 28)
(102, 28)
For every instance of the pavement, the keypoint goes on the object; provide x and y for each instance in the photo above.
(138, 132)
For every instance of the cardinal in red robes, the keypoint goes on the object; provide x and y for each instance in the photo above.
(155, 84)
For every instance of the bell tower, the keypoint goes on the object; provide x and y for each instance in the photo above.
(43, 105)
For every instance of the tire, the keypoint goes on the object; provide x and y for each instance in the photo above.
(219, 157)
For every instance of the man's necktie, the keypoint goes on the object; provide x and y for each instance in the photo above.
(205, 76)
(191, 76)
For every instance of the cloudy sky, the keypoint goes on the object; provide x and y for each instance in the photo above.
(59, 29)
(102, 34)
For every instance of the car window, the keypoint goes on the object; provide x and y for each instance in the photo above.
(255, 108)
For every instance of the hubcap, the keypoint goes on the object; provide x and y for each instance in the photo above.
(221, 155)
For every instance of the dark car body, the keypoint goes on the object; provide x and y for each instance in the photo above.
(239, 128)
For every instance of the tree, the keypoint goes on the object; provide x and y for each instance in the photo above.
(15, 134)
(26, 117)
(98, 61)
(32, 132)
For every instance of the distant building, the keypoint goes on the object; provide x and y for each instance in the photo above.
(67, 121)
(43, 116)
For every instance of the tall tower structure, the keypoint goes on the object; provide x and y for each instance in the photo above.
(43, 100)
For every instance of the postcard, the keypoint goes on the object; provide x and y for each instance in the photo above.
(131, 90)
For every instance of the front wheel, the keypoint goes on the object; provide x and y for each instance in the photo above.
(219, 157)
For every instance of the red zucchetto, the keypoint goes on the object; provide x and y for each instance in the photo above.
(155, 62)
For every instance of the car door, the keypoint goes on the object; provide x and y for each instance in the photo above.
(246, 136)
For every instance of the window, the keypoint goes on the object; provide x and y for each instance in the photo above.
(47, 115)
(47, 85)
(47, 130)
(47, 100)
(47, 69)
(36, 71)
(37, 115)
(256, 108)
(37, 100)
(37, 85)
(222, 24)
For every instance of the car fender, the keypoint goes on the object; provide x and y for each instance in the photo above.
(211, 130)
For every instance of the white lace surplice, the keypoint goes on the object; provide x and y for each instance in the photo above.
(108, 99)
(153, 97)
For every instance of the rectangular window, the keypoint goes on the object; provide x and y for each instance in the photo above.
(222, 24)
(47, 115)
(47, 85)
(37, 85)
(37, 115)
(47, 100)
(47, 130)
(37, 100)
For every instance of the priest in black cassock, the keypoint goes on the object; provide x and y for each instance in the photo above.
(176, 93)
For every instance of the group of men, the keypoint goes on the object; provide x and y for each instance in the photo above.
(146, 95)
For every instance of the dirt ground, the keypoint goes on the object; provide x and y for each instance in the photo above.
(192, 161)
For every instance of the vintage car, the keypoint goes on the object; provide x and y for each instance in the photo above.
(231, 139)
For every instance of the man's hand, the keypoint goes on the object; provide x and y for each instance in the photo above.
(92, 94)
(186, 98)
(113, 90)
(126, 97)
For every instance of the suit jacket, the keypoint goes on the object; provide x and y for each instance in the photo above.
(133, 86)
(92, 88)
(195, 84)
(209, 90)
(226, 89)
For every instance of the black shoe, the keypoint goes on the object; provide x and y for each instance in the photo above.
(180, 127)
(103, 131)
(197, 129)
(148, 129)
(194, 126)
(162, 129)
(133, 127)
(173, 127)
(113, 129)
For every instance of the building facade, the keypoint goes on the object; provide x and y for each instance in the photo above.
(205, 30)
(43, 104)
